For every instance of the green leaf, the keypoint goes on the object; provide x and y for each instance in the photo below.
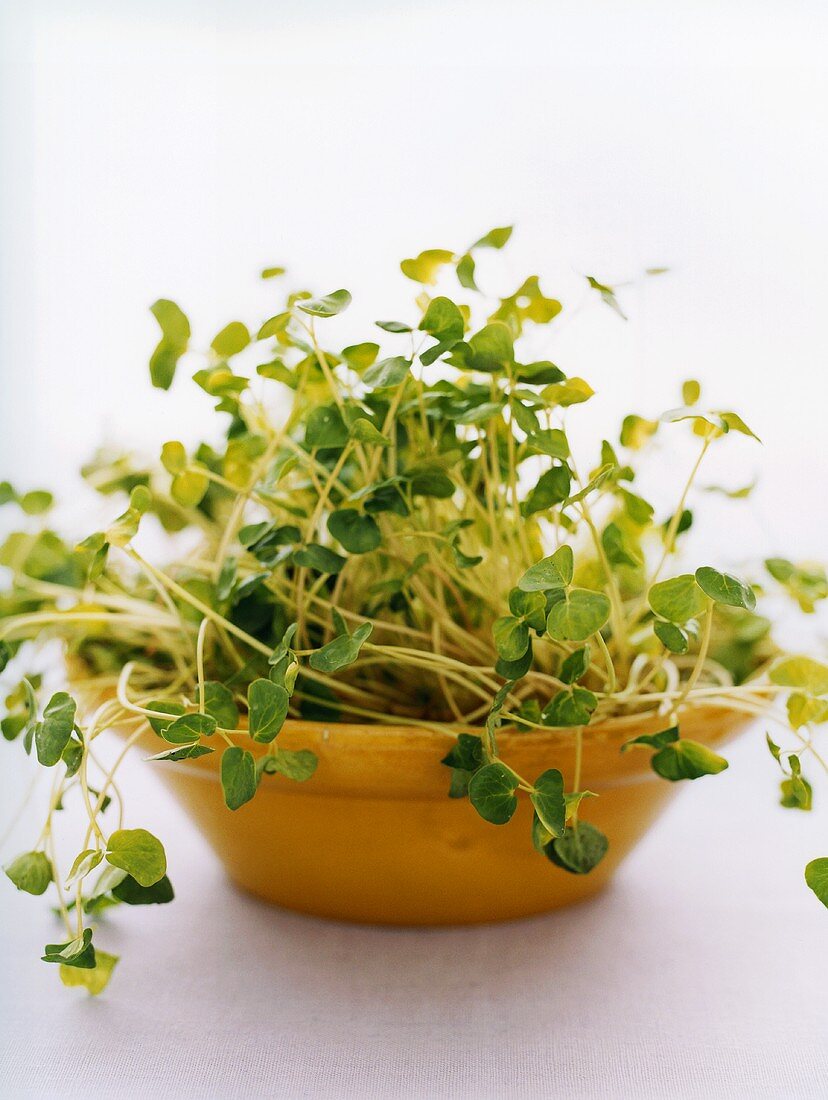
(325, 428)
(495, 238)
(274, 325)
(72, 757)
(189, 728)
(542, 373)
(360, 356)
(443, 320)
(131, 892)
(174, 457)
(358, 533)
(569, 708)
(796, 793)
(232, 339)
(530, 606)
(326, 306)
(555, 571)
(490, 350)
(387, 373)
(267, 710)
(272, 272)
(552, 488)
(36, 502)
(550, 441)
(189, 487)
(816, 876)
(298, 766)
(190, 751)
(618, 548)
(548, 800)
(513, 670)
(95, 979)
(573, 391)
(608, 295)
(639, 510)
(687, 760)
(76, 953)
(577, 614)
(139, 853)
(801, 672)
(636, 431)
(393, 326)
(175, 336)
(342, 651)
(163, 706)
(220, 705)
(320, 558)
(238, 774)
(736, 424)
(465, 272)
(725, 588)
(677, 599)
(579, 850)
(31, 872)
(511, 637)
(672, 636)
(653, 740)
(53, 733)
(465, 753)
(575, 665)
(85, 863)
(690, 391)
(432, 483)
(804, 710)
(425, 267)
(491, 791)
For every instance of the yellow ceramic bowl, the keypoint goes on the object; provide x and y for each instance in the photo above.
(373, 837)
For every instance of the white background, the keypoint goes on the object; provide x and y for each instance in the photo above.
(173, 149)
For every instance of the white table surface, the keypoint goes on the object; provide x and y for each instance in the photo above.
(702, 972)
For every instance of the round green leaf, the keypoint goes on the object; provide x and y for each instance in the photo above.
(31, 872)
(577, 614)
(548, 800)
(671, 636)
(677, 599)
(93, 979)
(232, 339)
(326, 306)
(267, 710)
(579, 850)
(139, 853)
(320, 558)
(189, 728)
(53, 733)
(511, 637)
(220, 705)
(687, 760)
(387, 373)
(425, 267)
(801, 672)
(298, 766)
(360, 356)
(342, 651)
(725, 588)
(175, 335)
(556, 571)
(358, 533)
(816, 876)
(238, 776)
(491, 791)
(131, 892)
